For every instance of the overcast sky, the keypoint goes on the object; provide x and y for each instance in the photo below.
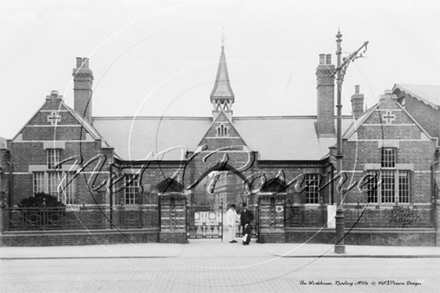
(154, 58)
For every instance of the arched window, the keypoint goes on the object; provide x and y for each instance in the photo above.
(222, 130)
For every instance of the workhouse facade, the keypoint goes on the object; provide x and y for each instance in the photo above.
(142, 178)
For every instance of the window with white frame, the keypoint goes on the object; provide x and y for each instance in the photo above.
(59, 184)
(68, 188)
(372, 186)
(395, 185)
(38, 182)
(389, 158)
(53, 158)
(54, 179)
(312, 188)
(131, 188)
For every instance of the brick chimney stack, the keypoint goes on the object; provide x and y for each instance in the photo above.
(325, 125)
(82, 88)
(357, 103)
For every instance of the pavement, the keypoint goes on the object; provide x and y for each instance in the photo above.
(204, 248)
(213, 266)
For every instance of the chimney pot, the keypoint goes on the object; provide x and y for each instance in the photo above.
(82, 88)
(357, 102)
(329, 59)
(85, 62)
(321, 58)
(78, 62)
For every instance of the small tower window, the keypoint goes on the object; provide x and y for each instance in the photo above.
(222, 130)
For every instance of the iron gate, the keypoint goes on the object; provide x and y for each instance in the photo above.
(205, 224)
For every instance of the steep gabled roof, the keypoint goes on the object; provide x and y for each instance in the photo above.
(358, 122)
(63, 107)
(233, 133)
(428, 94)
(353, 128)
(87, 126)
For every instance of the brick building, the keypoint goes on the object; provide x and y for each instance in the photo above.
(284, 167)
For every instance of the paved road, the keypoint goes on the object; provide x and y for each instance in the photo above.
(205, 267)
(219, 275)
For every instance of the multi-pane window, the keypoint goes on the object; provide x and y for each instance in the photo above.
(403, 186)
(54, 179)
(388, 186)
(312, 187)
(131, 188)
(67, 192)
(53, 158)
(395, 185)
(38, 182)
(59, 184)
(372, 187)
(389, 158)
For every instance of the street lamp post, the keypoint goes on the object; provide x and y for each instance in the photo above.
(340, 73)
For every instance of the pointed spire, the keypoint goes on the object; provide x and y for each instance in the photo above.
(222, 91)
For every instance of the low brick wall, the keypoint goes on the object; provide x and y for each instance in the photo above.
(91, 237)
(385, 236)
(272, 238)
(170, 237)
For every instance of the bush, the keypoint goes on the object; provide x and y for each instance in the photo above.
(40, 200)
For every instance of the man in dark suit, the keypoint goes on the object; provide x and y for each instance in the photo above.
(246, 217)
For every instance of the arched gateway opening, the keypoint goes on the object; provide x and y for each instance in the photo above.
(209, 199)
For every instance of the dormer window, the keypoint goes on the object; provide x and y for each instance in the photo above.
(222, 130)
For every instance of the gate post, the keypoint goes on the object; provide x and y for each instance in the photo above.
(271, 218)
(172, 215)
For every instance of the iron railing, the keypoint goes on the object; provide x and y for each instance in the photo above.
(363, 216)
(84, 218)
(397, 216)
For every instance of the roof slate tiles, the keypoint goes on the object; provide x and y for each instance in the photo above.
(275, 138)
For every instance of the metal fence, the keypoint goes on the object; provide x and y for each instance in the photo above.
(16, 219)
(362, 216)
(389, 216)
(302, 216)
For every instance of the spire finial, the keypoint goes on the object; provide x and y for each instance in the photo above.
(223, 37)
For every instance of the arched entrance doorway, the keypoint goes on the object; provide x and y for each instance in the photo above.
(209, 200)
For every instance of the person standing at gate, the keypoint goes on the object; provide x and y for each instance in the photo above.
(231, 221)
(246, 217)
